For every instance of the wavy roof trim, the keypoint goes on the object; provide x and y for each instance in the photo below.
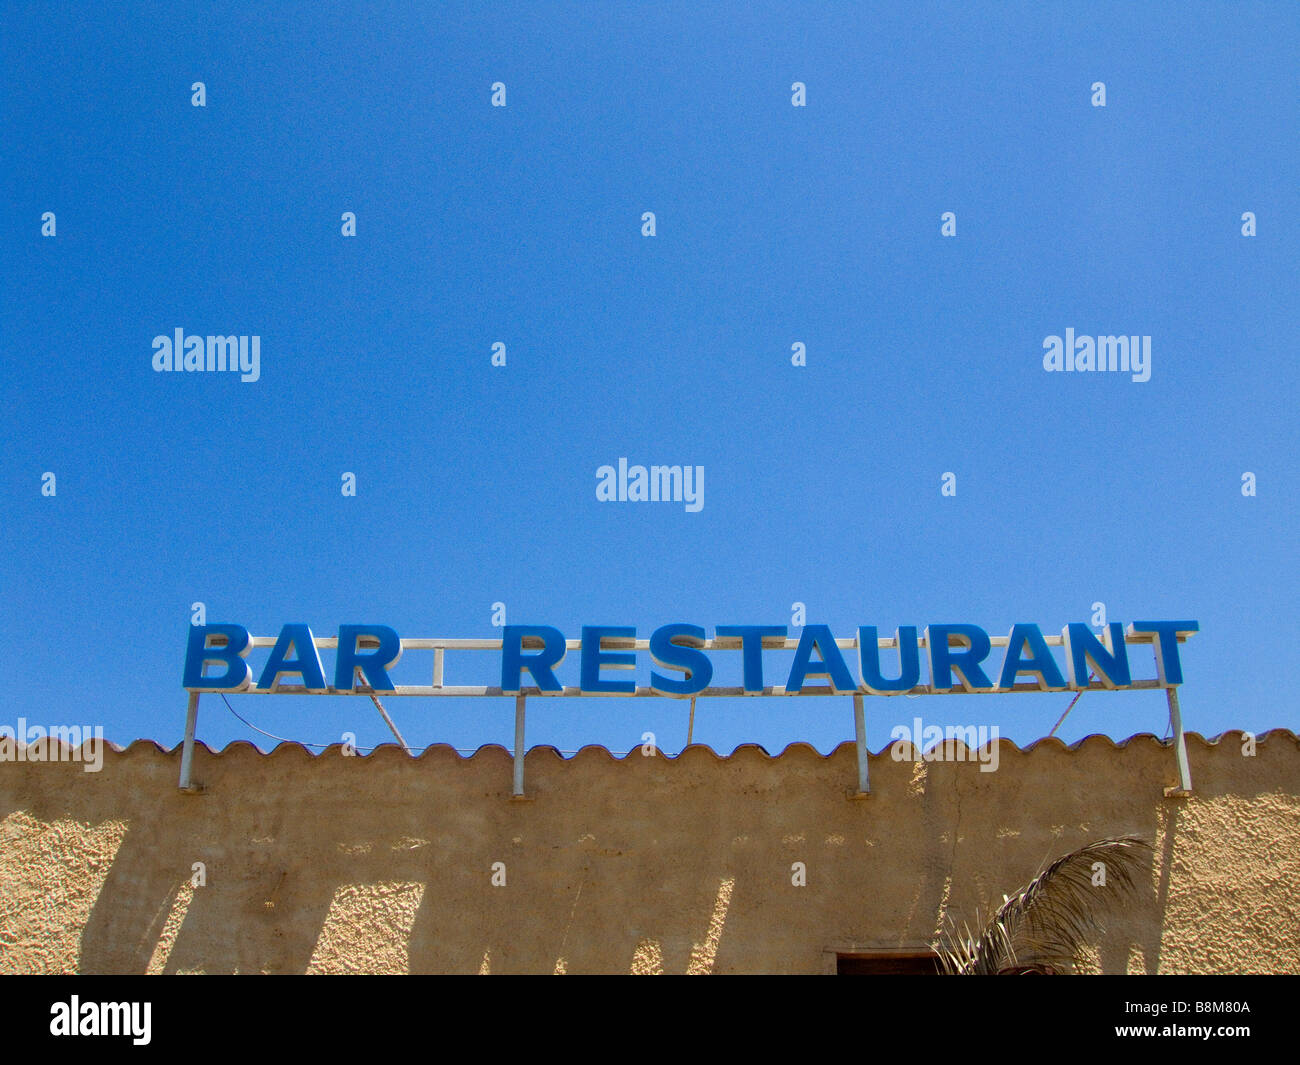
(239, 747)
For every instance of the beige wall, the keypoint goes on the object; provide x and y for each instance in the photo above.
(383, 863)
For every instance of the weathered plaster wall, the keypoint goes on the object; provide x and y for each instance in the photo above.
(384, 863)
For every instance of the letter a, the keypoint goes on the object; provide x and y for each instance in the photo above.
(607, 490)
(1054, 359)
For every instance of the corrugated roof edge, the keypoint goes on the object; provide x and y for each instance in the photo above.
(384, 750)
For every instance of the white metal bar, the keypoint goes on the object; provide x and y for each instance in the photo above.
(519, 747)
(860, 733)
(187, 749)
(721, 643)
(389, 721)
(572, 692)
(363, 688)
(1180, 742)
(437, 667)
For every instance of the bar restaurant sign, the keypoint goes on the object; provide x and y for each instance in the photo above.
(957, 657)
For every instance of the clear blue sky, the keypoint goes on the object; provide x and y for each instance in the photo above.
(522, 224)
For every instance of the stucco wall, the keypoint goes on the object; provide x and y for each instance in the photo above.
(384, 863)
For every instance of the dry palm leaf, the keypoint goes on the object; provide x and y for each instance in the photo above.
(1044, 926)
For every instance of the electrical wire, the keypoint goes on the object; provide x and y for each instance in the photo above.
(466, 752)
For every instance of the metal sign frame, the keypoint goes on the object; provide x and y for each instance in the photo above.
(439, 646)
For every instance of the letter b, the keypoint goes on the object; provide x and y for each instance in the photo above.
(199, 653)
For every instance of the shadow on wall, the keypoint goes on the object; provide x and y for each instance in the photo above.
(693, 864)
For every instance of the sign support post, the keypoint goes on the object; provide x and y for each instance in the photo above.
(187, 750)
(518, 792)
(1184, 787)
(860, 730)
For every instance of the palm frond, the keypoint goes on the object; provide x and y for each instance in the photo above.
(1046, 923)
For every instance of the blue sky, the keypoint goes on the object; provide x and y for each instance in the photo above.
(775, 224)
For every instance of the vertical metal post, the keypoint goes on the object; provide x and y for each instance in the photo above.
(860, 728)
(519, 747)
(1180, 744)
(187, 750)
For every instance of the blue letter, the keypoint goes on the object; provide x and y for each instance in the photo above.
(593, 659)
(1040, 662)
(819, 637)
(1082, 647)
(514, 661)
(373, 666)
(1169, 669)
(966, 659)
(307, 664)
(678, 647)
(751, 644)
(198, 654)
(909, 661)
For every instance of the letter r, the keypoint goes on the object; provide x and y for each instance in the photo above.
(374, 666)
(514, 661)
